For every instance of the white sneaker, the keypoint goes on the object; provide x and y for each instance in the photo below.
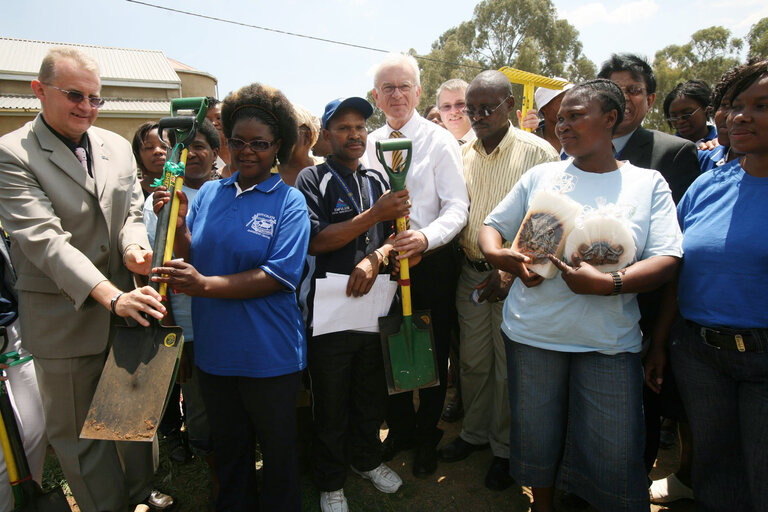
(333, 501)
(383, 478)
(669, 489)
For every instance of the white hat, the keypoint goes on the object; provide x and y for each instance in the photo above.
(542, 96)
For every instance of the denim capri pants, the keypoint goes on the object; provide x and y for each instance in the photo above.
(577, 424)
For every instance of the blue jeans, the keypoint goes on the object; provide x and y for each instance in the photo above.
(725, 394)
(577, 422)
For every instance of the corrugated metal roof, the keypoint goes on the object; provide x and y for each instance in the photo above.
(31, 103)
(23, 57)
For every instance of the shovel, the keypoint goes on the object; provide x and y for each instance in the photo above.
(27, 495)
(410, 357)
(141, 366)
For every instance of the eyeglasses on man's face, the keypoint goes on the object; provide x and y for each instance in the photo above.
(683, 117)
(257, 145)
(633, 90)
(483, 112)
(447, 107)
(77, 97)
(389, 89)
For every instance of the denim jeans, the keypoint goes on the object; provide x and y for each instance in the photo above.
(577, 422)
(725, 393)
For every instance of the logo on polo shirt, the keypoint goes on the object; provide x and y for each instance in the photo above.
(262, 224)
(341, 207)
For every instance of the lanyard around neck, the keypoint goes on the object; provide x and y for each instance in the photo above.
(358, 208)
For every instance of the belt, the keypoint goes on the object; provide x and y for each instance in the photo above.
(723, 338)
(480, 266)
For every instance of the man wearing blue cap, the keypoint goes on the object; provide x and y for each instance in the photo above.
(350, 211)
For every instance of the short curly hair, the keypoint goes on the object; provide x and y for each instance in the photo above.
(744, 76)
(268, 105)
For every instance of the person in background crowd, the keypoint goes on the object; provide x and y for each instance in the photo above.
(201, 160)
(686, 109)
(214, 116)
(493, 163)
(241, 251)
(21, 382)
(351, 214)
(450, 103)
(309, 130)
(439, 211)
(573, 342)
(720, 340)
(544, 121)
(431, 113)
(71, 204)
(149, 152)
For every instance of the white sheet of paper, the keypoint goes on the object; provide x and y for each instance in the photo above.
(335, 312)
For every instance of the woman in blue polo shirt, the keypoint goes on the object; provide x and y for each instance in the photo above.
(720, 344)
(686, 109)
(245, 240)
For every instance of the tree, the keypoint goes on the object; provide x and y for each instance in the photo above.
(710, 52)
(758, 39)
(523, 34)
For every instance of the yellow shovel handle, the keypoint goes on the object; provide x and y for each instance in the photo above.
(10, 462)
(172, 222)
(405, 275)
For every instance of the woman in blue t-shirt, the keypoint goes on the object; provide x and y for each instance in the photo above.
(573, 342)
(686, 110)
(720, 344)
(244, 242)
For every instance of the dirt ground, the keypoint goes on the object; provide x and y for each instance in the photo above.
(455, 486)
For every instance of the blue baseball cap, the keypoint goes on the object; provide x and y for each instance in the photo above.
(360, 104)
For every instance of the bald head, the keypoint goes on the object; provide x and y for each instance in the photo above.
(492, 81)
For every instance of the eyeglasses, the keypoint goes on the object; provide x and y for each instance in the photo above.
(77, 97)
(389, 90)
(633, 90)
(483, 112)
(683, 117)
(257, 145)
(456, 106)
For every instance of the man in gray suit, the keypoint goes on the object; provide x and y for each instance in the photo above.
(70, 201)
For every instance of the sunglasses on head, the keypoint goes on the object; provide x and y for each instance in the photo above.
(77, 97)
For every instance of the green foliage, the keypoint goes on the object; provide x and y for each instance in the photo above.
(378, 118)
(710, 52)
(758, 39)
(524, 34)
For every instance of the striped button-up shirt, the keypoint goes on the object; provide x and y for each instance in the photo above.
(490, 177)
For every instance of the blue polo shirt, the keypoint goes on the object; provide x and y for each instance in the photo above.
(266, 227)
(711, 158)
(723, 277)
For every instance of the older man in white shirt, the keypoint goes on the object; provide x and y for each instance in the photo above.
(439, 211)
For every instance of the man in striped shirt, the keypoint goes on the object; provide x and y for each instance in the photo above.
(493, 163)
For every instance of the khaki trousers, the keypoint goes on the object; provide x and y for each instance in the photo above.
(104, 476)
(483, 367)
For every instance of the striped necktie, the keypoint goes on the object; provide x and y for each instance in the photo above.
(397, 155)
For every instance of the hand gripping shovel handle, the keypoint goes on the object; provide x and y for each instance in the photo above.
(184, 128)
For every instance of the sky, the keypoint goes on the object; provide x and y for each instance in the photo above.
(311, 72)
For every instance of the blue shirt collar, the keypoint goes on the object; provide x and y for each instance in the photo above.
(267, 186)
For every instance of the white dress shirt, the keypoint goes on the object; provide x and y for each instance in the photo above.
(435, 180)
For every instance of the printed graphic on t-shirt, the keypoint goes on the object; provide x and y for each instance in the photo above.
(341, 207)
(262, 224)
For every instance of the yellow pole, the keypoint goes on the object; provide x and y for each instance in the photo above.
(405, 274)
(163, 289)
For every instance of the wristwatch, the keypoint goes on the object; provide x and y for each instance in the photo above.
(384, 258)
(618, 283)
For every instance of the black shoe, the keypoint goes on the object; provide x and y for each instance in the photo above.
(573, 502)
(392, 446)
(425, 461)
(453, 412)
(459, 449)
(497, 478)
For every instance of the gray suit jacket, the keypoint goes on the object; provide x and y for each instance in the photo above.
(68, 233)
(674, 157)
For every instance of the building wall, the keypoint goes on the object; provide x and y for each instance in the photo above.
(196, 84)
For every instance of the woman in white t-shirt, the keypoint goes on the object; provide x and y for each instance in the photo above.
(573, 342)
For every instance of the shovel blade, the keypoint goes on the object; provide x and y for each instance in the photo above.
(133, 389)
(410, 357)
